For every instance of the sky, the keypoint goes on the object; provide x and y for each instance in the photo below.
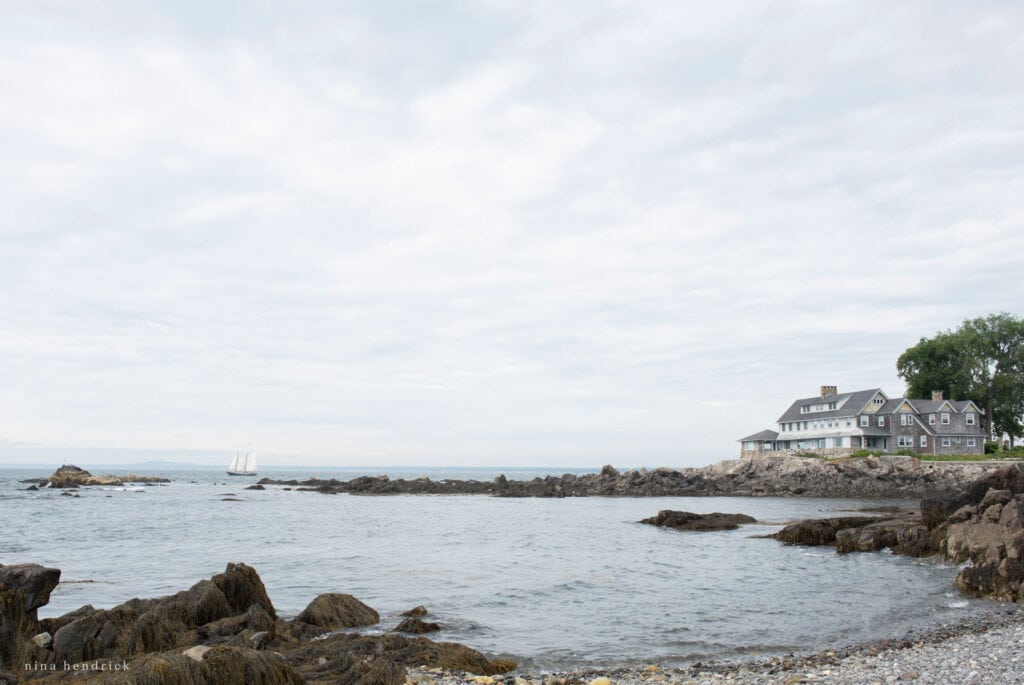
(488, 233)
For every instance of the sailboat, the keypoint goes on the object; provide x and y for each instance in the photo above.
(244, 464)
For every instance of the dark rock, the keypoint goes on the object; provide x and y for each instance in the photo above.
(35, 582)
(333, 611)
(343, 653)
(685, 520)
(816, 532)
(417, 626)
(416, 611)
(256, 487)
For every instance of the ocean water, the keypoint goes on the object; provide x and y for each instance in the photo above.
(553, 583)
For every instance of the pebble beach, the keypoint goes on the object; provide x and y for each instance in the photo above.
(985, 650)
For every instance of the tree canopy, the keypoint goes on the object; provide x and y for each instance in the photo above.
(983, 361)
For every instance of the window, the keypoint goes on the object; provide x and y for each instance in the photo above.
(804, 426)
(970, 418)
(945, 442)
(831, 405)
(923, 441)
(881, 421)
(971, 442)
(905, 420)
(931, 419)
(878, 400)
(864, 420)
(905, 441)
(838, 442)
(945, 418)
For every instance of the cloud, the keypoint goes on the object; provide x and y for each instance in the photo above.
(504, 233)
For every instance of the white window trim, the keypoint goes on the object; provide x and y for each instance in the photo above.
(923, 441)
(971, 442)
(970, 418)
(945, 418)
(946, 442)
(881, 421)
(931, 419)
(905, 441)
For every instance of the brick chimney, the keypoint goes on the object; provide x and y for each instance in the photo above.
(827, 390)
(936, 395)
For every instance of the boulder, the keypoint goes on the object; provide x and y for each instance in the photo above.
(685, 520)
(416, 626)
(35, 582)
(334, 611)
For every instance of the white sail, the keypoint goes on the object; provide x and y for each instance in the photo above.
(250, 462)
(236, 464)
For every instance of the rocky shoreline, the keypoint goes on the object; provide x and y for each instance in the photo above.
(222, 630)
(867, 477)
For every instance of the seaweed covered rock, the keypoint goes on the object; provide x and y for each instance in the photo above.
(685, 520)
(341, 653)
(417, 626)
(817, 532)
(333, 611)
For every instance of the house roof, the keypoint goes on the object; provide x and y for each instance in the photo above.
(847, 404)
(924, 406)
(763, 435)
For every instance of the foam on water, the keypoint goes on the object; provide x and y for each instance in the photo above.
(551, 582)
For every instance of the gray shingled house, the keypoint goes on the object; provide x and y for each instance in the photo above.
(836, 424)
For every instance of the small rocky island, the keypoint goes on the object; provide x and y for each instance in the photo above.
(71, 476)
(685, 520)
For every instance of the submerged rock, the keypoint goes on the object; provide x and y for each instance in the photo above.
(685, 520)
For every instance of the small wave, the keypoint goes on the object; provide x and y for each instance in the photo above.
(960, 604)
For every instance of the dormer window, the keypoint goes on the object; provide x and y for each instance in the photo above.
(945, 418)
(931, 419)
(970, 418)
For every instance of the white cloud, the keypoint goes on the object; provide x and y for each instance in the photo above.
(566, 234)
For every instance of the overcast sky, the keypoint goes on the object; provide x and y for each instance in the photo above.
(494, 233)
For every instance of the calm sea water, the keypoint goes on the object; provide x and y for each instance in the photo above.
(551, 583)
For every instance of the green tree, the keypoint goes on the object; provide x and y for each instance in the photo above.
(982, 361)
